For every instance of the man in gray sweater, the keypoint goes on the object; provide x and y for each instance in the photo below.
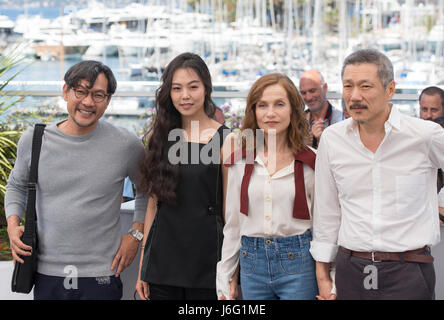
(83, 164)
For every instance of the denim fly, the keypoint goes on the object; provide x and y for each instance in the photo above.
(278, 268)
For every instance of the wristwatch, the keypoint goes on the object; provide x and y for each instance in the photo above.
(136, 234)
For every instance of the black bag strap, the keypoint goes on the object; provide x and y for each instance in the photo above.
(31, 215)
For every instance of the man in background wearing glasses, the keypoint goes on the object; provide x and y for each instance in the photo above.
(83, 164)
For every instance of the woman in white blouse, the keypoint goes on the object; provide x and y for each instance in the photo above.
(269, 200)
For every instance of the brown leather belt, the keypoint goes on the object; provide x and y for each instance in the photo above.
(419, 255)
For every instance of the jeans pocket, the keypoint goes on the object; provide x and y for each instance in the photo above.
(117, 287)
(291, 259)
(247, 260)
(426, 272)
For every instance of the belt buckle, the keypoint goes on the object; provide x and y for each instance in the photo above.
(373, 258)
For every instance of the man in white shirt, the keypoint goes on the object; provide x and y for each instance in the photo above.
(375, 184)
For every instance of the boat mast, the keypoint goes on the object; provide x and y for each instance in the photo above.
(273, 18)
(342, 30)
(317, 26)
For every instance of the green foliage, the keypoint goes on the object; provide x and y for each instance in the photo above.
(8, 135)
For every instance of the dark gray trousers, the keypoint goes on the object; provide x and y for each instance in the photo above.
(362, 279)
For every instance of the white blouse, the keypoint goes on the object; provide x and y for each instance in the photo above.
(270, 212)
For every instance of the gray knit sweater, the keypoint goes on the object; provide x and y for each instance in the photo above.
(79, 192)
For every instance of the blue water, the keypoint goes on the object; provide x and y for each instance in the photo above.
(49, 13)
(38, 70)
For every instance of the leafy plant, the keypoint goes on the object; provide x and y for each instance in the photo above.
(8, 135)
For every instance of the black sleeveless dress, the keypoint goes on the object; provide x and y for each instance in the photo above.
(186, 239)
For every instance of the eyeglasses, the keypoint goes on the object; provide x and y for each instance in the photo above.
(97, 96)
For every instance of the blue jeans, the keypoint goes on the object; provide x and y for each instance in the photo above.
(277, 268)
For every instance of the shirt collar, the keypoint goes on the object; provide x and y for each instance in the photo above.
(282, 172)
(394, 118)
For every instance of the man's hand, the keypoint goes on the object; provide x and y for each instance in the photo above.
(142, 289)
(15, 232)
(325, 287)
(317, 128)
(126, 253)
(325, 284)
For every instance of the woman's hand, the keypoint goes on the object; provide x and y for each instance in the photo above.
(142, 289)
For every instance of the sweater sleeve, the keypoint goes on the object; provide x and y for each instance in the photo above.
(141, 201)
(16, 189)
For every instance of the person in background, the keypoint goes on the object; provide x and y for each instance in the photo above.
(375, 184)
(440, 180)
(185, 210)
(269, 203)
(83, 164)
(320, 112)
(431, 103)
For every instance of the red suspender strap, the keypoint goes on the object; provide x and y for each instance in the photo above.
(244, 188)
(300, 208)
(250, 156)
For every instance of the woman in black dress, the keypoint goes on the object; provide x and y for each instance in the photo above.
(185, 180)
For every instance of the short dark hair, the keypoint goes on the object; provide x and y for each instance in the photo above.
(431, 91)
(385, 67)
(89, 70)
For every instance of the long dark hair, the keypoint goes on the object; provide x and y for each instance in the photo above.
(159, 176)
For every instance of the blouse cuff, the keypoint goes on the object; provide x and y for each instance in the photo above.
(222, 286)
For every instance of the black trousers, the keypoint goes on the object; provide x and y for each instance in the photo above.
(362, 279)
(57, 288)
(163, 292)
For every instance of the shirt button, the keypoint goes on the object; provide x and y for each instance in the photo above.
(267, 198)
(267, 218)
